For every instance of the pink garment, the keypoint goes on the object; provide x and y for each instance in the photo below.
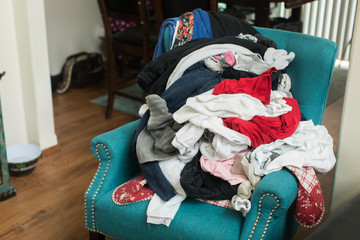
(217, 57)
(257, 87)
(263, 130)
(227, 58)
(221, 169)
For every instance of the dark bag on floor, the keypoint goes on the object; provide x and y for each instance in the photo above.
(81, 70)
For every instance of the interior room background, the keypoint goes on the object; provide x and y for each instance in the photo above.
(38, 35)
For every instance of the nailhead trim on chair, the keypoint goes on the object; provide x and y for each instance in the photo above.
(98, 189)
(270, 215)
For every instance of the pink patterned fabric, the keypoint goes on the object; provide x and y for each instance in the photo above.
(120, 25)
(310, 207)
(132, 191)
(185, 29)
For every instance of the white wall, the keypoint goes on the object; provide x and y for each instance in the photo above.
(72, 26)
(36, 38)
(10, 85)
(347, 172)
(25, 90)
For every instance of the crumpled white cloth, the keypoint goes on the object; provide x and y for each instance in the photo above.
(242, 106)
(205, 111)
(254, 63)
(245, 188)
(310, 146)
(241, 205)
(278, 58)
(285, 84)
(220, 148)
(186, 137)
(163, 212)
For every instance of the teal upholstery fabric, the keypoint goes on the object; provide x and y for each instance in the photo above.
(272, 212)
(167, 38)
(272, 200)
(194, 220)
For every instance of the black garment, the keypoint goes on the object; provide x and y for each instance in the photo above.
(130, 7)
(174, 8)
(199, 184)
(175, 97)
(231, 73)
(267, 42)
(154, 76)
(227, 25)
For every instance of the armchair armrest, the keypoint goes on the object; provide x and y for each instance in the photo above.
(117, 164)
(116, 159)
(272, 198)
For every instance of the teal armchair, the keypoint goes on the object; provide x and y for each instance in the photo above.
(272, 212)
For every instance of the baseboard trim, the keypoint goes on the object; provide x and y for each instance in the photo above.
(51, 150)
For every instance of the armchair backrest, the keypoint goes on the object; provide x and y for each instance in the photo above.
(310, 71)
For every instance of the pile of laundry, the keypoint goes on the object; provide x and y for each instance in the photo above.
(219, 115)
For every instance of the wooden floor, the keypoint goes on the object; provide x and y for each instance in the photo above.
(49, 201)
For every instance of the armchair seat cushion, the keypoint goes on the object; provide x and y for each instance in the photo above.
(194, 220)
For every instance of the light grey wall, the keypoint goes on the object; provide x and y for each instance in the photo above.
(72, 26)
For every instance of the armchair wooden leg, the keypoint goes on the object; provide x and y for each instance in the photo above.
(111, 82)
(96, 236)
(110, 104)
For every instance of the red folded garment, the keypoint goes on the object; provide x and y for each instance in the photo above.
(257, 87)
(263, 130)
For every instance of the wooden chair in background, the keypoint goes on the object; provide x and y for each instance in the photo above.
(262, 8)
(138, 41)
